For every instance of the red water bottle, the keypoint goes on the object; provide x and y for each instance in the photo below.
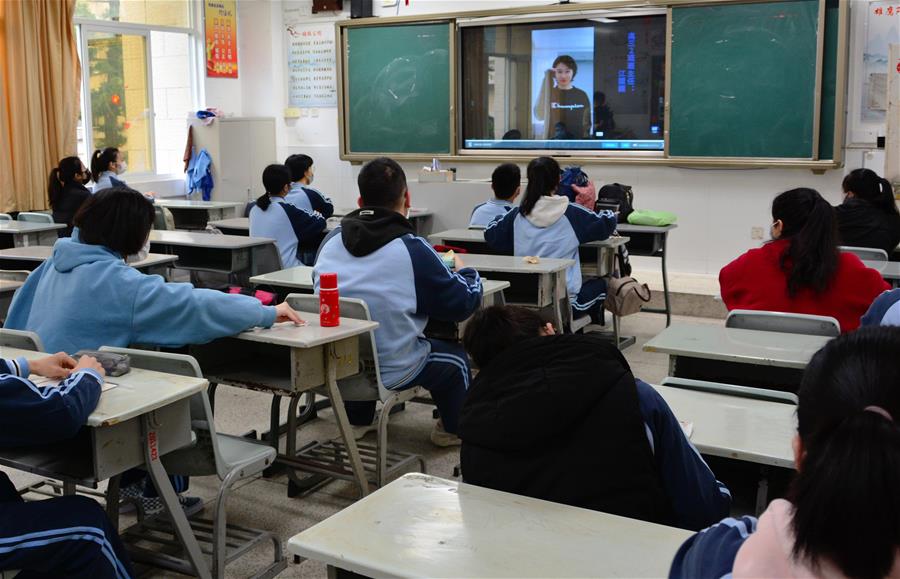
(329, 304)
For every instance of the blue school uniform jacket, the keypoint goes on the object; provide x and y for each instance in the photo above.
(712, 551)
(309, 199)
(554, 229)
(32, 415)
(287, 225)
(108, 179)
(884, 311)
(483, 214)
(379, 259)
(86, 296)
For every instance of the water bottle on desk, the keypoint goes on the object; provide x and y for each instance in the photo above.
(329, 302)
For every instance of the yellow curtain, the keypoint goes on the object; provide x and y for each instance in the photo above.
(40, 76)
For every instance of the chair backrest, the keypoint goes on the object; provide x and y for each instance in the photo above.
(783, 322)
(5, 217)
(867, 253)
(35, 217)
(355, 387)
(203, 458)
(163, 219)
(21, 339)
(732, 390)
(266, 259)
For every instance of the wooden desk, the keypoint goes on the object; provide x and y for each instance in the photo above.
(287, 360)
(26, 233)
(889, 270)
(733, 356)
(217, 253)
(650, 241)
(31, 257)
(233, 226)
(144, 417)
(424, 526)
(191, 214)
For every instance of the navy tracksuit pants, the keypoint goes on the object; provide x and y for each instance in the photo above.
(64, 537)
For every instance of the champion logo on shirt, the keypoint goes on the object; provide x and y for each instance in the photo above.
(559, 106)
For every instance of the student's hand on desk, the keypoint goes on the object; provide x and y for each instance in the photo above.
(89, 362)
(58, 365)
(457, 262)
(285, 313)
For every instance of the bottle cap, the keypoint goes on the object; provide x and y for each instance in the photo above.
(328, 281)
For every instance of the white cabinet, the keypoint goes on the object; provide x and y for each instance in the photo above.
(240, 148)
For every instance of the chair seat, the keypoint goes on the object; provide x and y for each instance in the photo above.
(234, 450)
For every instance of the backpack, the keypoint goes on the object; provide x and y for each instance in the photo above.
(626, 296)
(619, 195)
(572, 176)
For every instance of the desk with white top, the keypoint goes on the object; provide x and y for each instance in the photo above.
(420, 217)
(144, 417)
(757, 358)
(233, 225)
(31, 257)
(193, 214)
(651, 241)
(289, 360)
(8, 289)
(26, 233)
(228, 254)
(889, 270)
(423, 526)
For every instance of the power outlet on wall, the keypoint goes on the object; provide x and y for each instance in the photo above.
(757, 233)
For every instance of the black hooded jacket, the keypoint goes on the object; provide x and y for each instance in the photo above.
(861, 224)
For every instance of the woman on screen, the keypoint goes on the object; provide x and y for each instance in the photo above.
(565, 110)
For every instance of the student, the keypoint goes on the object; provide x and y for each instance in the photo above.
(884, 311)
(561, 418)
(868, 217)
(506, 183)
(66, 536)
(801, 270)
(842, 514)
(547, 225)
(106, 165)
(379, 259)
(302, 195)
(66, 191)
(273, 217)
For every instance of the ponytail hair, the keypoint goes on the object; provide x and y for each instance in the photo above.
(845, 495)
(810, 225)
(868, 186)
(275, 178)
(543, 179)
(59, 177)
(101, 159)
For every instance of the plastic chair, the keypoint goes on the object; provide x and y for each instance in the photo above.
(5, 217)
(367, 385)
(783, 322)
(866, 253)
(731, 390)
(35, 217)
(163, 219)
(21, 339)
(232, 458)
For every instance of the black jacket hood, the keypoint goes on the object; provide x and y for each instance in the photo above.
(368, 229)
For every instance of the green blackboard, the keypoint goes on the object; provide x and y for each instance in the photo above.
(829, 80)
(743, 80)
(398, 98)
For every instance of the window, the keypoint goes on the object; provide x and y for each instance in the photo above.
(139, 80)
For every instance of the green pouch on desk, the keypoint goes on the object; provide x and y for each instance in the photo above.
(654, 218)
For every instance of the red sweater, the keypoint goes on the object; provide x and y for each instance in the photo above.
(754, 281)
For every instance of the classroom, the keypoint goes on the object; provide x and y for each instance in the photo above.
(421, 288)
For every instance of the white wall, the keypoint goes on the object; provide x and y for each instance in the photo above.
(716, 208)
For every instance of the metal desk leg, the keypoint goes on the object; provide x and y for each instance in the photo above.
(337, 405)
(169, 498)
(665, 276)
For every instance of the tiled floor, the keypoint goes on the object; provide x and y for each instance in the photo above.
(263, 503)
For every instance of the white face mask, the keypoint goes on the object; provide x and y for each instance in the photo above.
(121, 167)
(312, 177)
(140, 255)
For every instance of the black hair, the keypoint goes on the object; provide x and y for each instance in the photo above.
(381, 183)
(298, 165)
(492, 330)
(119, 218)
(505, 179)
(868, 186)
(513, 134)
(810, 226)
(543, 179)
(845, 494)
(274, 179)
(101, 159)
(61, 176)
(568, 61)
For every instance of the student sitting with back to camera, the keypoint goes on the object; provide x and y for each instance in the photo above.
(841, 517)
(273, 217)
(378, 258)
(66, 191)
(506, 181)
(561, 418)
(85, 296)
(301, 194)
(868, 217)
(884, 311)
(59, 537)
(548, 225)
(801, 270)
